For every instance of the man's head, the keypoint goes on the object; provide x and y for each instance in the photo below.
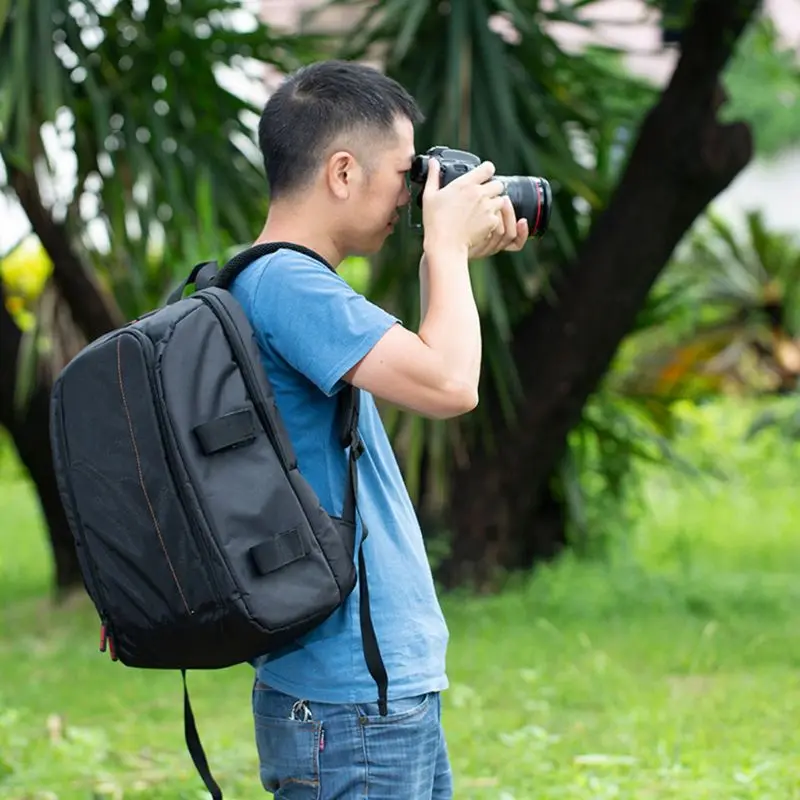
(339, 137)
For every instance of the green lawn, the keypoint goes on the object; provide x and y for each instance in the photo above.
(671, 672)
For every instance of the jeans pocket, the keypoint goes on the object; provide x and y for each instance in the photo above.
(406, 709)
(288, 747)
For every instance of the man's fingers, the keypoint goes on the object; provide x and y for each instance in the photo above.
(506, 229)
(521, 236)
(510, 234)
(432, 180)
(509, 220)
(497, 204)
(493, 188)
(481, 174)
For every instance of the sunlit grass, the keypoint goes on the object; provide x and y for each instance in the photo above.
(671, 671)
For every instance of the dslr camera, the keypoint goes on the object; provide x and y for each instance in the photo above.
(531, 197)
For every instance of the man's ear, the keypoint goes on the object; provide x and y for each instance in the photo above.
(339, 174)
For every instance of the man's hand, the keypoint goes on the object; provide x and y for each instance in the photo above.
(509, 234)
(465, 214)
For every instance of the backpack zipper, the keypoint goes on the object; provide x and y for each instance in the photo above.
(106, 637)
(107, 640)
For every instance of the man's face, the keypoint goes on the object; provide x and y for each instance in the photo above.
(379, 191)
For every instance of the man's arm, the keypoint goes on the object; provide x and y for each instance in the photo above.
(424, 294)
(451, 325)
(435, 371)
(423, 287)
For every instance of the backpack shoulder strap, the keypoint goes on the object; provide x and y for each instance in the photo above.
(208, 273)
(226, 276)
(349, 437)
(349, 406)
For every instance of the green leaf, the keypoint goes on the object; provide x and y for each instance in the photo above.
(5, 12)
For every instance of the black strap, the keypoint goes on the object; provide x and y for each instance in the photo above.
(202, 276)
(208, 273)
(230, 430)
(369, 640)
(279, 551)
(349, 404)
(195, 748)
(226, 276)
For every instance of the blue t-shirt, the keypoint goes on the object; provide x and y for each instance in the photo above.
(311, 328)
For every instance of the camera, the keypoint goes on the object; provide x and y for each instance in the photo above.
(531, 197)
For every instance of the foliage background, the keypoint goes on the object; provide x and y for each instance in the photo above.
(658, 658)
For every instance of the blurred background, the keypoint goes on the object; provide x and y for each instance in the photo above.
(614, 530)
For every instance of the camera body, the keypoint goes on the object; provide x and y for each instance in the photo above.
(453, 163)
(531, 197)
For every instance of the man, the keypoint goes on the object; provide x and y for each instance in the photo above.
(337, 140)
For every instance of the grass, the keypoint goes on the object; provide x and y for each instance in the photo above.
(670, 671)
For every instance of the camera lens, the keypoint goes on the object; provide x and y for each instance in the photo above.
(532, 200)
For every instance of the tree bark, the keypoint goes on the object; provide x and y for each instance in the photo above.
(95, 313)
(94, 310)
(682, 159)
(29, 428)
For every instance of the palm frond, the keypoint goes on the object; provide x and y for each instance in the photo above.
(724, 317)
(491, 79)
(133, 95)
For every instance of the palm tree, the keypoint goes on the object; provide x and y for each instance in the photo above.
(499, 85)
(492, 79)
(131, 161)
(161, 161)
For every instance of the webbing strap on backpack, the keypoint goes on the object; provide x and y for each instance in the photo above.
(195, 746)
(207, 274)
(350, 400)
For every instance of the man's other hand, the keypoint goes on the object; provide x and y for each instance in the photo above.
(510, 234)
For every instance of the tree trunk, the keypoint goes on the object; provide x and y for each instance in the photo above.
(94, 310)
(682, 159)
(29, 428)
(95, 313)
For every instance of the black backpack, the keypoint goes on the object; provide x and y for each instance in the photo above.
(200, 543)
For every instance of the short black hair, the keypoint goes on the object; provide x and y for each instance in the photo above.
(316, 104)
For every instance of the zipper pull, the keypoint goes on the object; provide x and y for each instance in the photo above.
(321, 739)
(107, 642)
(111, 649)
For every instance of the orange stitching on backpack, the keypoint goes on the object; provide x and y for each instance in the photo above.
(141, 477)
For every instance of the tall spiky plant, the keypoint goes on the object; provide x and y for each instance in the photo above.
(131, 159)
(492, 79)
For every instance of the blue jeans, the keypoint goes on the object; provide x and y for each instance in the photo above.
(321, 751)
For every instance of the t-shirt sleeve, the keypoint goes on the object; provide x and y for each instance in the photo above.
(314, 319)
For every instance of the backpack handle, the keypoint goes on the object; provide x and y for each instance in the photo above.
(201, 276)
(208, 273)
